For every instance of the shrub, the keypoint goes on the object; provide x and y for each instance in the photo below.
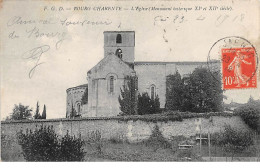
(232, 140)
(250, 113)
(44, 145)
(156, 140)
(94, 139)
(146, 105)
(117, 139)
(71, 148)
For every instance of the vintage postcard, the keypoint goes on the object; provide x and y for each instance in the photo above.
(130, 80)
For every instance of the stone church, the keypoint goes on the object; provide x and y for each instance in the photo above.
(106, 78)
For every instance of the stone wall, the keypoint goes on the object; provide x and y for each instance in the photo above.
(113, 127)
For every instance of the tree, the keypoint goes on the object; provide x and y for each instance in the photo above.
(73, 111)
(37, 113)
(84, 99)
(128, 99)
(146, 105)
(251, 100)
(21, 112)
(205, 91)
(186, 104)
(44, 112)
(174, 92)
(155, 105)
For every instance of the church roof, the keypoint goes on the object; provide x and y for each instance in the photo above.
(84, 85)
(164, 63)
(106, 59)
(79, 86)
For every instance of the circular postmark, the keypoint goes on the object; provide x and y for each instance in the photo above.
(236, 59)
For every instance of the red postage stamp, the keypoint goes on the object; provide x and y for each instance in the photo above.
(239, 68)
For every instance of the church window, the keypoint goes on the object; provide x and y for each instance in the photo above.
(119, 53)
(111, 84)
(118, 38)
(152, 91)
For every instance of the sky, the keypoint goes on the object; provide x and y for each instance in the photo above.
(66, 53)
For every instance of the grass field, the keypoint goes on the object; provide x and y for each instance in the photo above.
(145, 152)
(123, 151)
(154, 150)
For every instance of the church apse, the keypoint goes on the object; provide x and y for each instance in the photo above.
(74, 101)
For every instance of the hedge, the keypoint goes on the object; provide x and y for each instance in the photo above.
(250, 113)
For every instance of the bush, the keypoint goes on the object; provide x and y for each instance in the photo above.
(71, 149)
(44, 145)
(250, 113)
(146, 105)
(232, 140)
(156, 140)
(94, 139)
(117, 138)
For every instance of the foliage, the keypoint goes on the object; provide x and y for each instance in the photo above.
(199, 92)
(174, 92)
(71, 148)
(156, 140)
(172, 116)
(250, 113)
(94, 139)
(128, 99)
(21, 112)
(251, 100)
(155, 105)
(143, 105)
(73, 111)
(84, 99)
(206, 91)
(146, 105)
(44, 145)
(232, 140)
(117, 138)
(44, 112)
(37, 113)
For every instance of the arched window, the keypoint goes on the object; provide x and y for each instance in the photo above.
(119, 53)
(152, 89)
(111, 84)
(118, 38)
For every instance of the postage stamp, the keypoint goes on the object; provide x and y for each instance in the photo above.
(238, 68)
(237, 60)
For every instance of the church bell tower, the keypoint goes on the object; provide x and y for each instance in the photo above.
(121, 44)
